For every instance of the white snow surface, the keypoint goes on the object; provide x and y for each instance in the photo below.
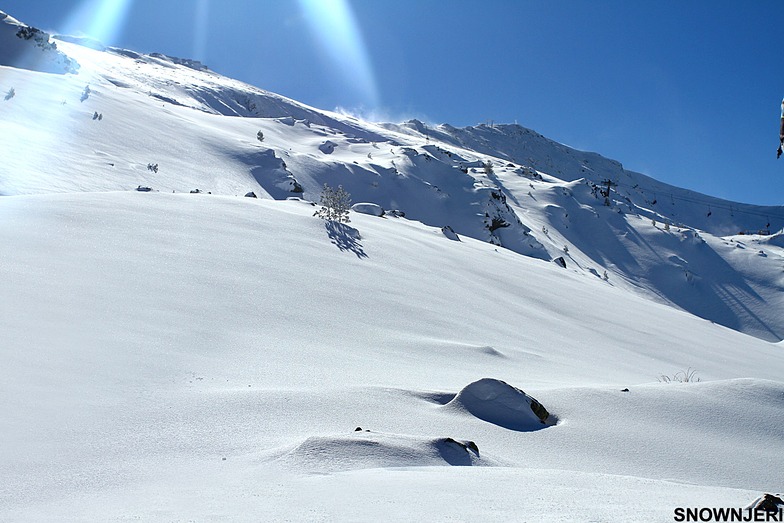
(169, 356)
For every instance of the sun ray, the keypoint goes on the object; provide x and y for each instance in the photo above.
(101, 20)
(200, 25)
(336, 28)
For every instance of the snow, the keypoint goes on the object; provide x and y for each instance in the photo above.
(499, 403)
(368, 208)
(170, 355)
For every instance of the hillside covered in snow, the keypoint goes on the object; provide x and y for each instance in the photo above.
(510, 340)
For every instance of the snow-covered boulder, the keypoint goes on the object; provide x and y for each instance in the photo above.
(368, 208)
(328, 147)
(450, 233)
(497, 402)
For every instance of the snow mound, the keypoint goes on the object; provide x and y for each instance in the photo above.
(368, 208)
(775, 239)
(364, 449)
(497, 402)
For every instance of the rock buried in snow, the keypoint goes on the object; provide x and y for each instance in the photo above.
(327, 147)
(499, 403)
(767, 503)
(560, 261)
(450, 233)
(368, 208)
(363, 449)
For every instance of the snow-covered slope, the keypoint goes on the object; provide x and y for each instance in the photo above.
(122, 119)
(168, 356)
(174, 356)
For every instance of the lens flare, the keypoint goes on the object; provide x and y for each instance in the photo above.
(335, 27)
(99, 19)
(201, 22)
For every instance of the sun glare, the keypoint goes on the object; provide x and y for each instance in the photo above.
(201, 22)
(335, 27)
(101, 20)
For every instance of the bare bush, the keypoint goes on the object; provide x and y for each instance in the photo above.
(685, 376)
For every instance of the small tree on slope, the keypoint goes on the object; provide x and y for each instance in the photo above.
(335, 204)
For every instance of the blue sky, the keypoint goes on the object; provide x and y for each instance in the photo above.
(685, 91)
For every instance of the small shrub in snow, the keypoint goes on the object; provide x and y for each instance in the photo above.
(488, 167)
(152, 167)
(335, 204)
(685, 376)
(10, 94)
(85, 94)
(260, 136)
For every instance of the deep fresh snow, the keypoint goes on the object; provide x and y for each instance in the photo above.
(174, 356)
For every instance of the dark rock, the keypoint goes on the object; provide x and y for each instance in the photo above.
(768, 503)
(539, 410)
